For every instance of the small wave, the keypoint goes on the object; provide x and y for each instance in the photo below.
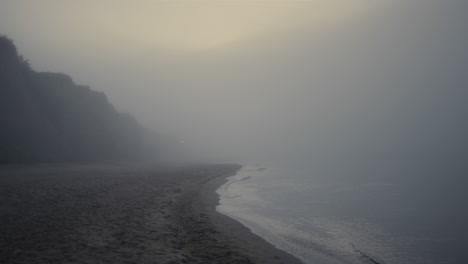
(231, 197)
(365, 257)
(246, 178)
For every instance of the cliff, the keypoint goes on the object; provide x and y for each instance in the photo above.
(46, 117)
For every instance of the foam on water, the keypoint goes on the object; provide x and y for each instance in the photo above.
(300, 216)
(240, 199)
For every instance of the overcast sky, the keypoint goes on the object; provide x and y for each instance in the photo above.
(252, 77)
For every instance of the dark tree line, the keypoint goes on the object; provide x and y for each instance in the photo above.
(46, 117)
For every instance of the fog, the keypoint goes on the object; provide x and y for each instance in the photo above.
(266, 80)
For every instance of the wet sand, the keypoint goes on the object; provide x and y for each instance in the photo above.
(122, 214)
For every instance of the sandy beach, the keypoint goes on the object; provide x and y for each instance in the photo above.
(122, 214)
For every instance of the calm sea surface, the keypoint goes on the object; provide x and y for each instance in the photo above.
(357, 213)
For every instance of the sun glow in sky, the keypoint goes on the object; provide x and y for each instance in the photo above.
(180, 25)
(208, 24)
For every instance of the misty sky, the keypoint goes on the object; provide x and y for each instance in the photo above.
(251, 77)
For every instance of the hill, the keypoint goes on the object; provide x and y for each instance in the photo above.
(46, 117)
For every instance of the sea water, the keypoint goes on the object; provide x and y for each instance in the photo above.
(368, 213)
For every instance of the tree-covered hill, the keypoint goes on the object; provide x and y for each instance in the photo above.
(46, 117)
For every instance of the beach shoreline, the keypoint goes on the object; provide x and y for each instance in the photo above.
(123, 214)
(258, 249)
